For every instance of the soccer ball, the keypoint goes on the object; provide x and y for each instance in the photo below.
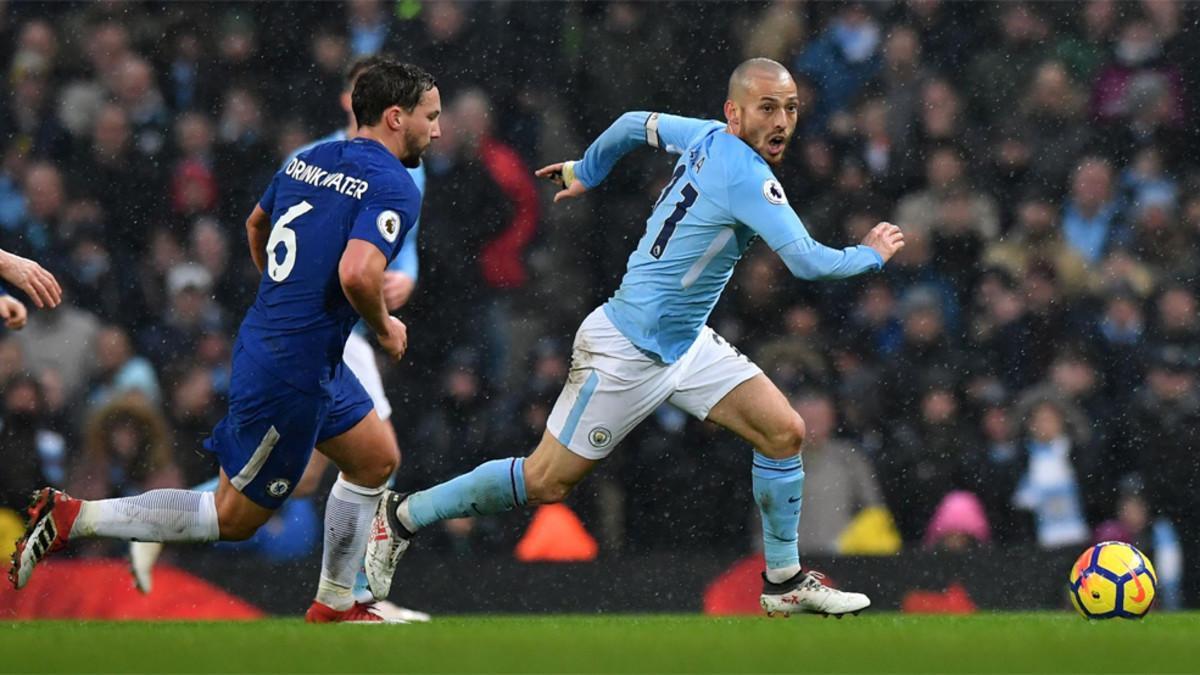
(1113, 580)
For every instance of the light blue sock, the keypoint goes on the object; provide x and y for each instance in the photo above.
(778, 487)
(209, 485)
(493, 487)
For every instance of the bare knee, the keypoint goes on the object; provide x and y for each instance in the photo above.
(786, 440)
(375, 470)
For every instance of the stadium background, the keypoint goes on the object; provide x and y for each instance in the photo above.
(1021, 381)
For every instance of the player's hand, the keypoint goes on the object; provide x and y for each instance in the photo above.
(12, 312)
(397, 289)
(563, 175)
(30, 277)
(395, 342)
(886, 239)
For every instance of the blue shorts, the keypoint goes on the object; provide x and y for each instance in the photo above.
(264, 443)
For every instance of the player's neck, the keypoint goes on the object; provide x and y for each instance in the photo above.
(392, 144)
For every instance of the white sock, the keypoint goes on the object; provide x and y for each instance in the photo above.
(348, 515)
(405, 517)
(157, 515)
(782, 574)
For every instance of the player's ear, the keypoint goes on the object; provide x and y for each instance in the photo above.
(731, 113)
(395, 117)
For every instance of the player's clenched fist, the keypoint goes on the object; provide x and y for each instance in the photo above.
(12, 313)
(886, 239)
(396, 339)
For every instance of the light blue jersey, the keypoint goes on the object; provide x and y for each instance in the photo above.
(721, 195)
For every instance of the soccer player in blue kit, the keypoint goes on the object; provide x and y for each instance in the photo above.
(398, 283)
(649, 344)
(323, 234)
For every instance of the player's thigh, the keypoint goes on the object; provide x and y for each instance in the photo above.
(365, 453)
(758, 412)
(264, 441)
(354, 437)
(237, 517)
(552, 470)
(718, 383)
(610, 389)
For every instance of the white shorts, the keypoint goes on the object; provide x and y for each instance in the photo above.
(360, 358)
(613, 385)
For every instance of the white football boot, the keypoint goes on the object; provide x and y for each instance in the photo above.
(805, 593)
(142, 556)
(389, 540)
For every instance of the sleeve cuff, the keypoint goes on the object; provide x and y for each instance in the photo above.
(874, 254)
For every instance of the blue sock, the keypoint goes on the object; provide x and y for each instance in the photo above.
(209, 485)
(493, 487)
(778, 486)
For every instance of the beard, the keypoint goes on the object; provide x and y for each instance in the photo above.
(414, 147)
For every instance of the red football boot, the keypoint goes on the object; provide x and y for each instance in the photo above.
(51, 516)
(359, 612)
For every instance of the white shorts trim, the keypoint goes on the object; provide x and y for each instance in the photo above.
(360, 359)
(613, 386)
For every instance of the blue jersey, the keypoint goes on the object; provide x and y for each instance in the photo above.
(334, 192)
(407, 261)
(721, 195)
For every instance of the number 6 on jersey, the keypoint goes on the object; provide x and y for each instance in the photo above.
(282, 234)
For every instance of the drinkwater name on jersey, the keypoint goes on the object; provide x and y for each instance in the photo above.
(314, 175)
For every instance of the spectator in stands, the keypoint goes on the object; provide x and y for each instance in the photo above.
(190, 313)
(1092, 216)
(842, 60)
(946, 173)
(31, 452)
(62, 341)
(927, 457)
(843, 480)
(120, 370)
(1162, 421)
(1137, 60)
(121, 180)
(1011, 62)
(1051, 487)
(126, 451)
(959, 524)
(1085, 49)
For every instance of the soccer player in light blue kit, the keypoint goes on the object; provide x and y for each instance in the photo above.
(398, 282)
(322, 236)
(649, 344)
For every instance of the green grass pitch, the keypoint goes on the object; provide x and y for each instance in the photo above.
(880, 642)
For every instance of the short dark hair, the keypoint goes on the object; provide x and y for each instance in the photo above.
(360, 65)
(387, 84)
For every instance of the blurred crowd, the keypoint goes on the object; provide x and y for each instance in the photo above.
(1023, 372)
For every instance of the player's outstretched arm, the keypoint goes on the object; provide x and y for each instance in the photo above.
(757, 199)
(258, 232)
(41, 286)
(360, 272)
(631, 130)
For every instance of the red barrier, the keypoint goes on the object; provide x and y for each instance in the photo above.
(103, 589)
